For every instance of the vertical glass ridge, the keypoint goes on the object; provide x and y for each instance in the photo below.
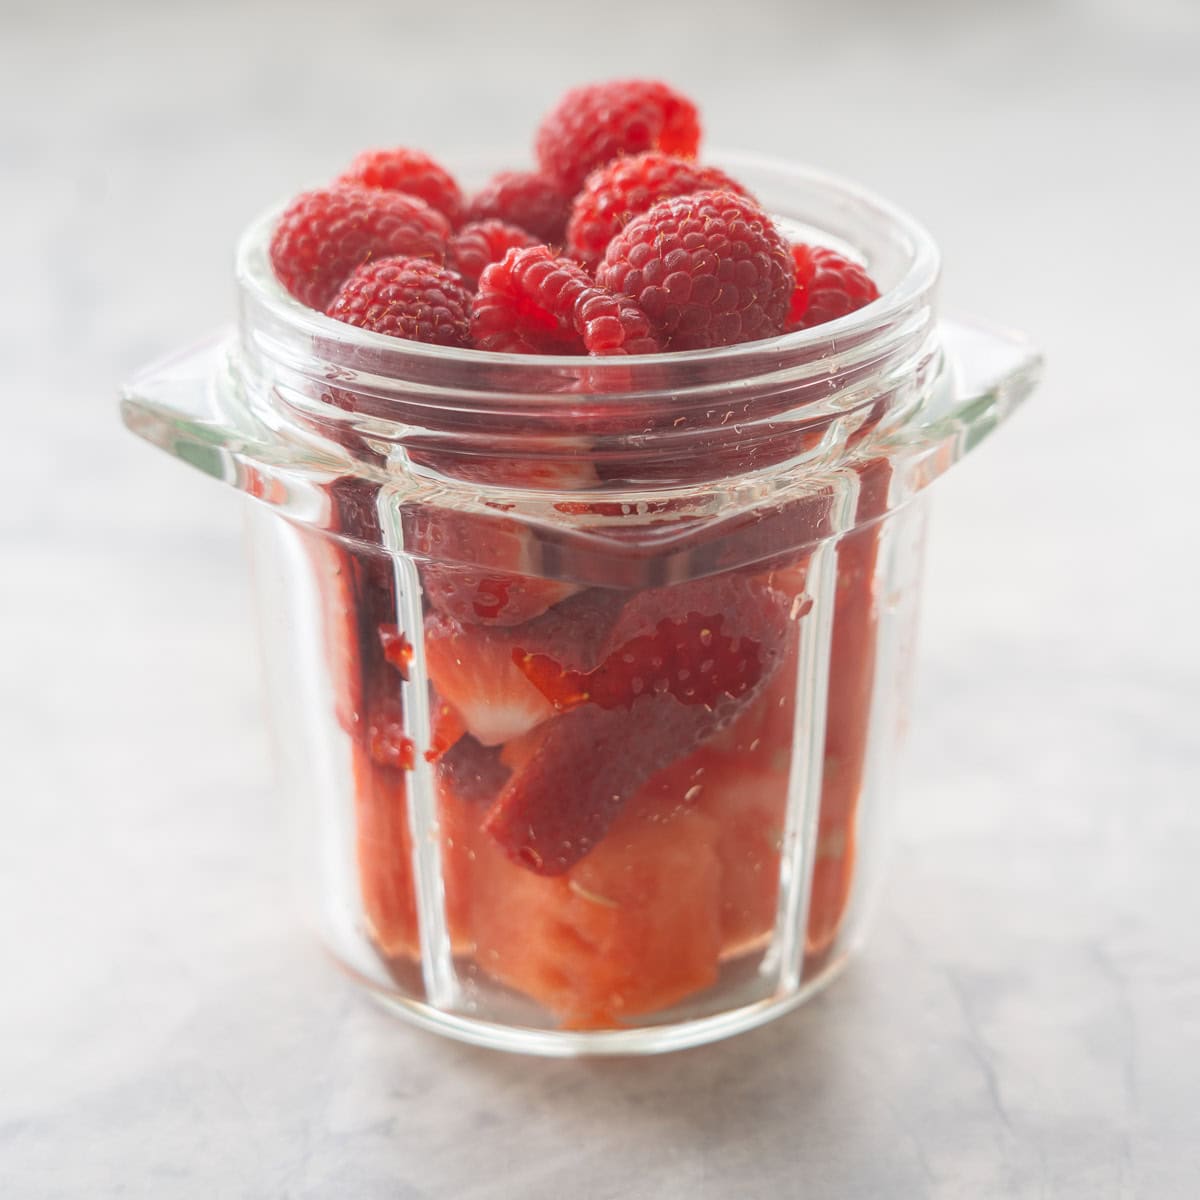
(429, 890)
(807, 767)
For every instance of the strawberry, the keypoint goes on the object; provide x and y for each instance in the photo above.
(473, 668)
(446, 729)
(479, 598)
(692, 641)
(561, 801)
(397, 649)
(473, 773)
(482, 567)
(679, 664)
(386, 741)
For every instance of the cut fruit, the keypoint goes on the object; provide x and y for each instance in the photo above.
(468, 775)
(358, 598)
(678, 665)
(482, 567)
(333, 569)
(749, 809)
(472, 666)
(588, 763)
(632, 929)
(848, 711)
(702, 643)
(762, 736)
(476, 597)
(384, 847)
(446, 728)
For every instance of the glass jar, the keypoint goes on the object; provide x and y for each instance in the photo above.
(587, 675)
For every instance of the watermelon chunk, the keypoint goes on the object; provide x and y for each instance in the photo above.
(633, 928)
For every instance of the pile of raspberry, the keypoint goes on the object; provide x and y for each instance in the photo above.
(620, 242)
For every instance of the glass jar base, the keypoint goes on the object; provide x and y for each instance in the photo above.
(647, 1039)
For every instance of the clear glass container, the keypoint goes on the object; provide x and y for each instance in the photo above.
(587, 675)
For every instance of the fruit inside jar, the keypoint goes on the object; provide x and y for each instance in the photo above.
(616, 771)
(612, 774)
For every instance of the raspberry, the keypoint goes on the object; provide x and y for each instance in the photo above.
(613, 324)
(828, 286)
(527, 199)
(406, 298)
(534, 302)
(410, 171)
(482, 242)
(708, 270)
(625, 188)
(324, 235)
(592, 125)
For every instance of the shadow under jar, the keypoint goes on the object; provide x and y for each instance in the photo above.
(587, 674)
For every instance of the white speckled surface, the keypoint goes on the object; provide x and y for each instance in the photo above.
(1026, 1019)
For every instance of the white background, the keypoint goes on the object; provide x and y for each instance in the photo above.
(1026, 1019)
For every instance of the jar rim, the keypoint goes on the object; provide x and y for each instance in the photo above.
(257, 279)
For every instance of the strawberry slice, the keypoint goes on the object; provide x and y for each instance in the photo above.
(384, 735)
(473, 772)
(397, 649)
(482, 568)
(680, 663)
(446, 729)
(472, 666)
(563, 798)
(479, 598)
(692, 641)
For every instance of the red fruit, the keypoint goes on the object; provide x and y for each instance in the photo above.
(572, 471)
(749, 808)
(406, 298)
(482, 568)
(467, 775)
(410, 171)
(562, 800)
(612, 324)
(472, 666)
(534, 302)
(397, 649)
(625, 188)
(828, 286)
(594, 124)
(848, 711)
(708, 269)
(702, 643)
(387, 743)
(325, 235)
(367, 705)
(632, 929)
(679, 663)
(446, 729)
(474, 774)
(481, 599)
(479, 243)
(762, 737)
(384, 846)
(528, 199)
(333, 569)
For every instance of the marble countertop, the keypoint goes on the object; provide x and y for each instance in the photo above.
(1025, 1020)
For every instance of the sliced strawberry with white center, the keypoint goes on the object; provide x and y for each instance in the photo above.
(680, 663)
(702, 642)
(473, 667)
